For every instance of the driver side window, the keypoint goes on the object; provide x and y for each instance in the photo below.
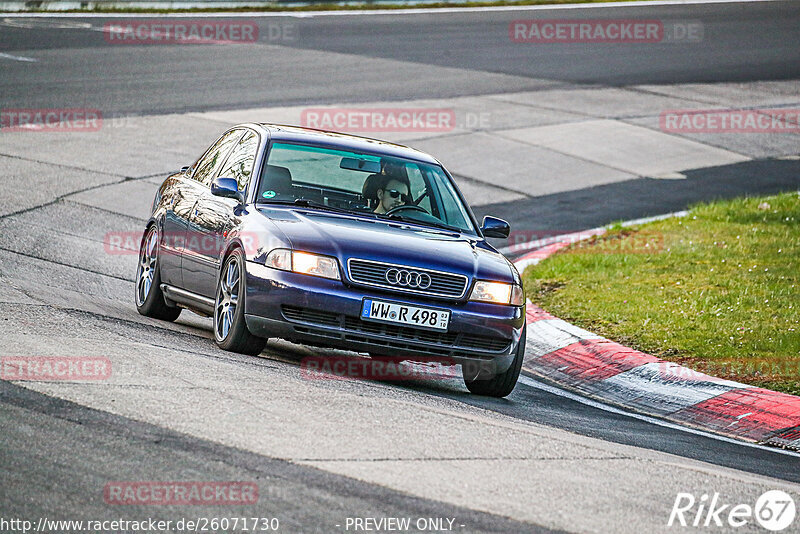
(211, 161)
(240, 163)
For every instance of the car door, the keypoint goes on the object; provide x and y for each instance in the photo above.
(193, 264)
(213, 216)
(179, 199)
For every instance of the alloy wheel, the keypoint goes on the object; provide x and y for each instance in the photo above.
(146, 270)
(227, 299)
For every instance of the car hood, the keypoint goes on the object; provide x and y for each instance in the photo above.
(345, 236)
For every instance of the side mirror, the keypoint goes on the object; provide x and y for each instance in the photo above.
(184, 169)
(494, 227)
(227, 188)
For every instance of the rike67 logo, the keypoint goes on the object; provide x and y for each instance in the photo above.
(774, 510)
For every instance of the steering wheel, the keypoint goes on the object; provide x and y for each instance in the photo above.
(407, 207)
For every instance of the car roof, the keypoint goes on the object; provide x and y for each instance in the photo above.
(336, 140)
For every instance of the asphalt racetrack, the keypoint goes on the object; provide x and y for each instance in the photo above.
(554, 137)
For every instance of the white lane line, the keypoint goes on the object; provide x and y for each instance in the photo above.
(388, 12)
(645, 220)
(530, 382)
(41, 24)
(18, 58)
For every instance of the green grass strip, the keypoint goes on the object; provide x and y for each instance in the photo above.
(717, 290)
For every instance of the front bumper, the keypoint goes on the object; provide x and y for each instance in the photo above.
(319, 311)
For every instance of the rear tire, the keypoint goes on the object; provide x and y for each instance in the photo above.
(502, 384)
(150, 300)
(230, 328)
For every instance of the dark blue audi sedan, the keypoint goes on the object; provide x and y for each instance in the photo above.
(334, 240)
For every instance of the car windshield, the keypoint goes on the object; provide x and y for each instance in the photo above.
(382, 186)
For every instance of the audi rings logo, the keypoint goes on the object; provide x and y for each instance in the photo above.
(410, 279)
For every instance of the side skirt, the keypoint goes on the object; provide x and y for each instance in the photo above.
(191, 301)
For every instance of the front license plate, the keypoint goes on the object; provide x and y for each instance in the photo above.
(392, 312)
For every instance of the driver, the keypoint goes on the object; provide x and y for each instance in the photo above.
(392, 192)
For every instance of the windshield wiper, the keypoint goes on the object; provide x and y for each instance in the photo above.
(443, 226)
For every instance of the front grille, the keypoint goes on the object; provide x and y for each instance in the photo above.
(373, 273)
(400, 332)
(404, 337)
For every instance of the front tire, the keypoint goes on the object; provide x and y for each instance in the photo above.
(150, 300)
(502, 384)
(230, 329)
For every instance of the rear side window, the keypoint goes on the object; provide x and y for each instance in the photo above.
(239, 165)
(213, 158)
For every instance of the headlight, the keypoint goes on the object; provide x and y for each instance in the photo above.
(303, 263)
(497, 292)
